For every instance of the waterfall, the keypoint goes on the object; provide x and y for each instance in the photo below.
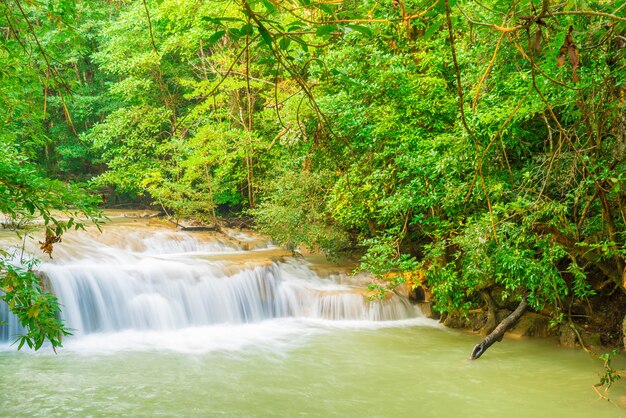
(161, 281)
(11, 328)
(158, 295)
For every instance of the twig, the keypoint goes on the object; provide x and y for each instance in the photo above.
(589, 13)
(580, 339)
(599, 394)
(489, 25)
(489, 67)
(150, 27)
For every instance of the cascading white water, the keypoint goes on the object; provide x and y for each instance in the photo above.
(11, 327)
(147, 280)
(157, 294)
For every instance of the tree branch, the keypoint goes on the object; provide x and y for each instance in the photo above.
(497, 334)
(589, 13)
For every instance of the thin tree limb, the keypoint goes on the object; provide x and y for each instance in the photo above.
(150, 27)
(463, 118)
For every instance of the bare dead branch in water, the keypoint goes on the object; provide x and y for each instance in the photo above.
(497, 334)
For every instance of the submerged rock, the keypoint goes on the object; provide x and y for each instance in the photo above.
(567, 336)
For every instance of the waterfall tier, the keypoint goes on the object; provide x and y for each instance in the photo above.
(169, 280)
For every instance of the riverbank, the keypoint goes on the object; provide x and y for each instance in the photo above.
(598, 324)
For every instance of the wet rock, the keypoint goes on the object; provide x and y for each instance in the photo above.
(474, 321)
(427, 309)
(454, 321)
(501, 314)
(150, 214)
(417, 294)
(532, 325)
(199, 228)
(567, 336)
(591, 339)
(194, 225)
(489, 325)
(44, 281)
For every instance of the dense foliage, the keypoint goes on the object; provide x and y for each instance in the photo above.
(37, 139)
(478, 146)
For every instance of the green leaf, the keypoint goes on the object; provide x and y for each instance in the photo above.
(299, 40)
(246, 30)
(221, 20)
(296, 26)
(269, 6)
(215, 37)
(284, 43)
(433, 29)
(441, 5)
(326, 8)
(267, 38)
(29, 206)
(326, 30)
(362, 29)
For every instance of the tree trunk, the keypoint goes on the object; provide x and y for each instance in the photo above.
(491, 313)
(497, 334)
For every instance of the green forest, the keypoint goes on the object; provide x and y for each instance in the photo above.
(475, 149)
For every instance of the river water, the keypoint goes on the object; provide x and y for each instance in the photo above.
(168, 323)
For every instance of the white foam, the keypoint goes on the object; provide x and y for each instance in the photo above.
(278, 335)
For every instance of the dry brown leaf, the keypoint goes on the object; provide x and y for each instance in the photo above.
(561, 60)
(47, 246)
(571, 50)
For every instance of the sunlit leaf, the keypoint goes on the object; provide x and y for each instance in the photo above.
(326, 30)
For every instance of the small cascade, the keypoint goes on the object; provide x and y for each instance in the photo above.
(11, 329)
(163, 295)
(162, 280)
(356, 307)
